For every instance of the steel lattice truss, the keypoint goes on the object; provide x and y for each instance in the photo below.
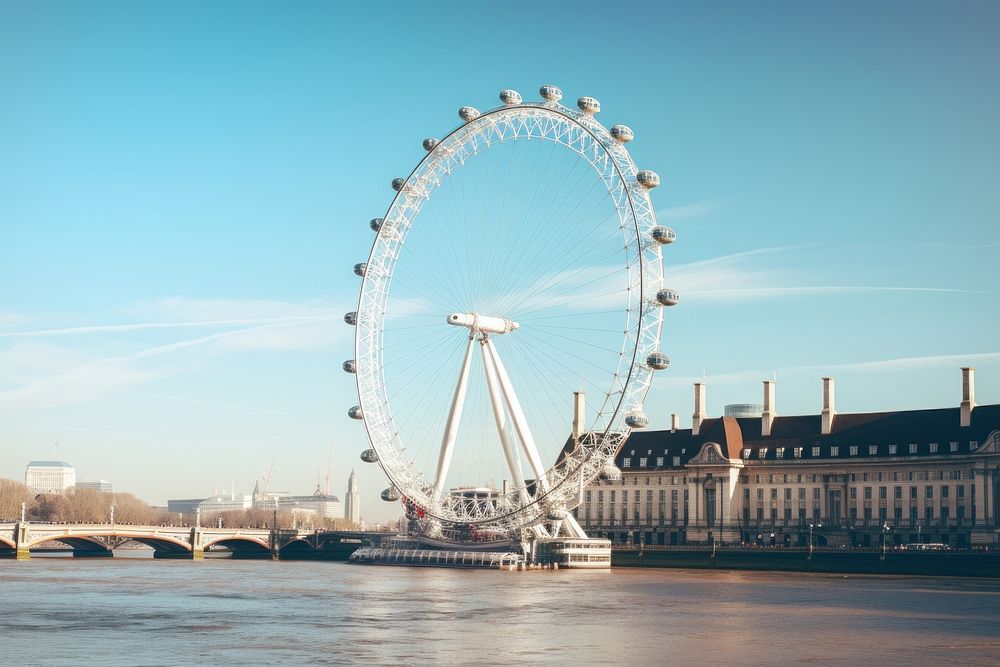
(578, 132)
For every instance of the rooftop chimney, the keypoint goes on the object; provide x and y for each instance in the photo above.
(767, 418)
(699, 407)
(579, 415)
(968, 395)
(675, 422)
(828, 410)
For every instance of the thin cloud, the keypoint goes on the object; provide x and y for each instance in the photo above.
(688, 211)
(141, 326)
(878, 365)
(98, 378)
(740, 293)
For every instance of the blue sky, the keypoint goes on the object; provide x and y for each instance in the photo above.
(184, 189)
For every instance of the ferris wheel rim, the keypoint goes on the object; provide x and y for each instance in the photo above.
(642, 310)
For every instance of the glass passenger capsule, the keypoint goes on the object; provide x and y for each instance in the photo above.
(658, 361)
(351, 318)
(369, 456)
(349, 366)
(622, 133)
(375, 224)
(663, 235)
(354, 412)
(390, 495)
(510, 97)
(636, 420)
(588, 105)
(359, 269)
(667, 297)
(468, 113)
(430, 143)
(398, 183)
(648, 179)
(550, 93)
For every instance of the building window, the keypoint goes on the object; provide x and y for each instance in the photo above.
(788, 495)
(872, 450)
(816, 494)
(913, 448)
(659, 461)
(746, 495)
(854, 450)
(762, 452)
(677, 461)
(952, 446)
(892, 451)
(815, 451)
(868, 493)
(960, 490)
(774, 494)
(746, 454)
(854, 493)
(779, 453)
(944, 492)
(642, 462)
(802, 493)
(835, 451)
(928, 492)
(797, 452)
(933, 447)
(973, 445)
(882, 493)
(760, 495)
(627, 463)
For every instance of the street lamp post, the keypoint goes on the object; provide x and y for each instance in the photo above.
(112, 515)
(811, 526)
(885, 534)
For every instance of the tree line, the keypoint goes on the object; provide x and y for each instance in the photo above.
(91, 506)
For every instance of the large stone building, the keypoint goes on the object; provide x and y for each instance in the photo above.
(49, 476)
(847, 479)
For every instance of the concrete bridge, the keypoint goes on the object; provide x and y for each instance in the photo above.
(19, 538)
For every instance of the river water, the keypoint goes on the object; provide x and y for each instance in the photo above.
(136, 611)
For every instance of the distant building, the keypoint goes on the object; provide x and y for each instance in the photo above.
(838, 479)
(49, 476)
(743, 410)
(101, 485)
(352, 501)
(227, 503)
(323, 505)
(184, 505)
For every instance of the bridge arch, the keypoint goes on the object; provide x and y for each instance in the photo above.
(243, 544)
(159, 542)
(7, 542)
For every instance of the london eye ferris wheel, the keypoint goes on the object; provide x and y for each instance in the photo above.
(518, 263)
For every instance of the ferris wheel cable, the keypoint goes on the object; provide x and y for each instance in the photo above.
(533, 365)
(540, 290)
(581, 313)
(535, 232)
(529, 217)
(541, 354)
(554, 266)
(436, 270)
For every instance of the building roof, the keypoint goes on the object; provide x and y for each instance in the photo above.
(48, 464)
(900, 434)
